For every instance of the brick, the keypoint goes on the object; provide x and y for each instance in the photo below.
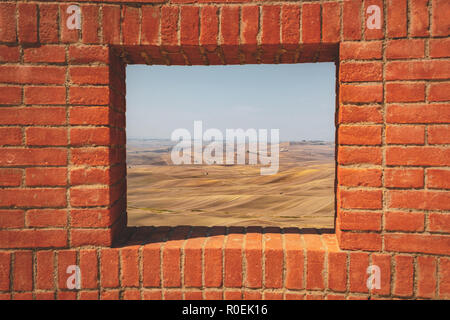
(90, 136)
(5, 269)
(65, 259)
(360, 199)
(35, 136)
(439, 48)
(357, 155)
(233, 261)
(371, 34)
(331, 23)
(89, 75)
(95, 237)
(171, 255)
(361, 93)
(169, 26)
(270, 24)
(89, 115)
(363, 221)
(273, 260)
(8, 22)
(315, 268)
(404, 275)
(10, 95)
(32, 197)
(45, 271)
(396, 18)
(9, 54)
(405, 49)
(130, 25)
(45, 295)
(213, 259)
(352, 20)
(355, 114)
(440, 26)
(361, 50)
(439, 222)
(404, 221)
(426, 277)
(417, 199)
(111, 24)
(67, 35)
(294, 261)
(33, 238)
(151, 265)
(403, 178)
(360, 241)
(359, 261)
(45, 53)
(290, 25)
(311, 23)
(405, 134)
(419, 21)
(90, 156)
(81, 176)
(360, 71)
(444, 278)
(418, 70)
(418, 113)
(32, 74)
(23, 271)
(82, 54)
(11, 219)
(89, 95)
(46, 218)
(439, 91)
(130, 266)
(193, 268)
(89, 197)
(359, 135)
(48, 19)
(41, 156)
(383, 261)
(152, 295)
(45, 95)
(405, 92)
(109, 268)
(431, 244)
(354, 177)
(90, 23)
(337, 271)
(417, 156)
(10, 136)
(209, 26)
(27, 26)
(439, 134)
(88, 295)
(189, 26)
(438, 178)
(92, 217)
(150, 25)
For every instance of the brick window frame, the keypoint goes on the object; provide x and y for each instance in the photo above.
(62, 153)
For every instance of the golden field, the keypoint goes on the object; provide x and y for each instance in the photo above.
(300, 195)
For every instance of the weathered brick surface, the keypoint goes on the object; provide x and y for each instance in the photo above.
(62, 155)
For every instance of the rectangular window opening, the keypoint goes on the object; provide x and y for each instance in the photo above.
(180, 118)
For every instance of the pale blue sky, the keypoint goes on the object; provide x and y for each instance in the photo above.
(298, 99)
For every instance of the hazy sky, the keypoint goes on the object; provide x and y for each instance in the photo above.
(298, 99)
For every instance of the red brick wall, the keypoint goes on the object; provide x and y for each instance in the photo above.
(62, 151)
